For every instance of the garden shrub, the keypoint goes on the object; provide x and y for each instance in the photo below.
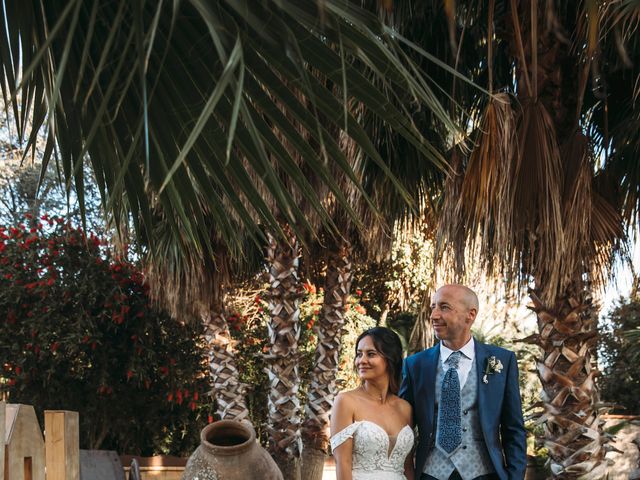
(620, 379)
(78, 332)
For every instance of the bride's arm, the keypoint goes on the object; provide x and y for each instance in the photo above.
(409, 466)
(342, 417)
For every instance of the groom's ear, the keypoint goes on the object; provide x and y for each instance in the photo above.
(473, 313)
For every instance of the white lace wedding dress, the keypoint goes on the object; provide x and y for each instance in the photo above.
(376, 455)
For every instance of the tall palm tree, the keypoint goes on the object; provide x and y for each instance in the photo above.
(534, 196)
(194, 286)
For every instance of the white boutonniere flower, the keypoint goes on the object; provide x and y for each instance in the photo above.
(493, 366)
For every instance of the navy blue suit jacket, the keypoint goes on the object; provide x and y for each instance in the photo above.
(499, 407)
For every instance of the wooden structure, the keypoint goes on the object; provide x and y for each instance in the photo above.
(24, 444)
(100, 465)
(62, 444)
(160, 467)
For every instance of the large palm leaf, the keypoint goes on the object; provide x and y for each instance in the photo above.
(176, 103)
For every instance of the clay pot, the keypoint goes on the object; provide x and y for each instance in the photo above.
(229, 451)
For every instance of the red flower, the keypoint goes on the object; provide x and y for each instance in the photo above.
(54, 346)
(170, 397)
(129, 374)
(358, 292)
(18, 370)
(210, 419)
(164, 370)
(192, 405)
(309, 287)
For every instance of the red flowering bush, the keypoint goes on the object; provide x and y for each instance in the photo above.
(78, 332)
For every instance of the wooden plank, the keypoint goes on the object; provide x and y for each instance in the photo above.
(62, 444)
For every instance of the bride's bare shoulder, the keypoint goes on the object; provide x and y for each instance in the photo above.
(347, 396)
(404, 406)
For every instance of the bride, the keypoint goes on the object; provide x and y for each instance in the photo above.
(371, 427)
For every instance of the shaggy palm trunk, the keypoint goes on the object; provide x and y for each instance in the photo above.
(322, 385)
(571, 423)
(228, 390)
(284, 332)
(554, 77)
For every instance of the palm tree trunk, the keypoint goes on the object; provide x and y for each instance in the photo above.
(422, 334)
(567, 370)
(322, 385)
(229, 391)
(284, 332)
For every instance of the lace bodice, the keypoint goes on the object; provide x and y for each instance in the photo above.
(372, 457)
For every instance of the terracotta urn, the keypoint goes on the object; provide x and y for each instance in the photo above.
(228, 451)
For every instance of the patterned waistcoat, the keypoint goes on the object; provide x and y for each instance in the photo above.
(471, 458)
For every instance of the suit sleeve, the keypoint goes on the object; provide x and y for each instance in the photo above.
(406, 387)
(514, 437)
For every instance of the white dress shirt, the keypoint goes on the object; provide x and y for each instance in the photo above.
(466, 359)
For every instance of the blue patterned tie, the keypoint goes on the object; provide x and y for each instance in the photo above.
(449, 429)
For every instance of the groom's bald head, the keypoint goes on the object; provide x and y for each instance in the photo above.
(467, 296)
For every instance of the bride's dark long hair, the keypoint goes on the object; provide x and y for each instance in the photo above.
(389, 346)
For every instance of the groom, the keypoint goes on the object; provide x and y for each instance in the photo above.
(465, 398)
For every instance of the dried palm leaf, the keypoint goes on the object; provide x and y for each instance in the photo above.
(537, 224)
(483, 204)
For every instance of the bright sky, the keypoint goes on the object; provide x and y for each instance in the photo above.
(622, 281)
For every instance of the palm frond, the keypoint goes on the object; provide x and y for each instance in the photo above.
(172, 100)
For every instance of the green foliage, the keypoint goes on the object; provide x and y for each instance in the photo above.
(396, 286)
(78, 332)
(620, 379)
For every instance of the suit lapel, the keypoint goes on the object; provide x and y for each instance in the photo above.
(431, 359)
(484, 402)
